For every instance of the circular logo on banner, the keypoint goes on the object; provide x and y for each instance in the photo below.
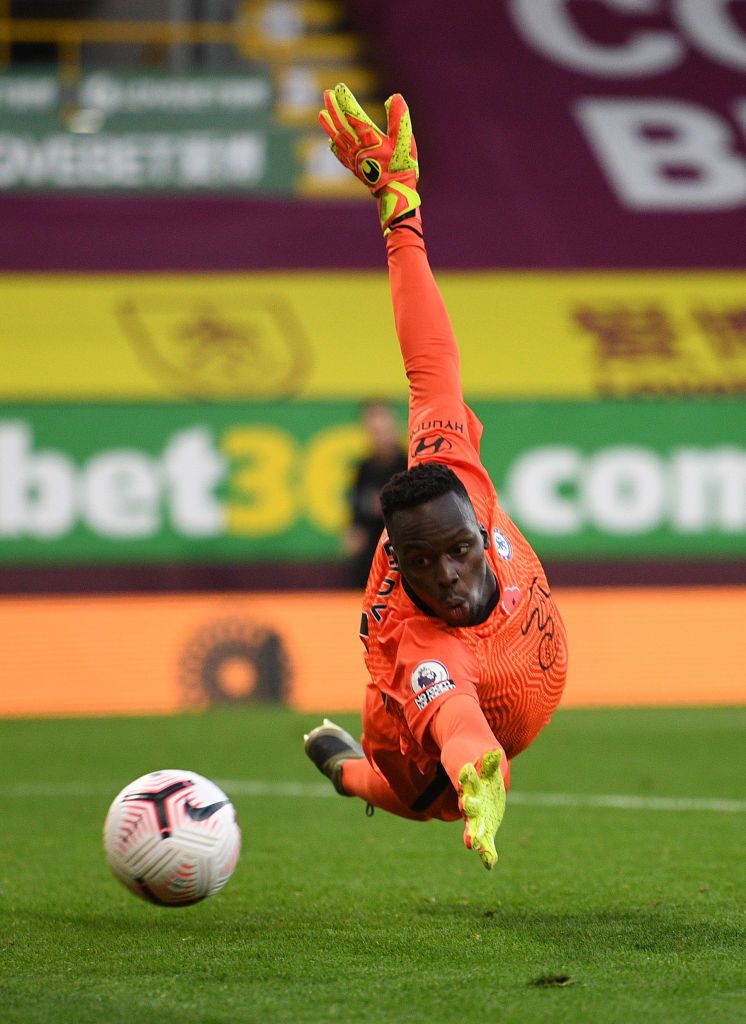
(427, 674)
(233, 661)
(502, 544)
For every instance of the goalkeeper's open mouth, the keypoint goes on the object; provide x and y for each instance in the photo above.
(457, 611)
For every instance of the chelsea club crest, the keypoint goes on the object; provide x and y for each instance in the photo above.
(502, 544)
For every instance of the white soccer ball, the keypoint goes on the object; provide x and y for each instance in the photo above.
(172, 837)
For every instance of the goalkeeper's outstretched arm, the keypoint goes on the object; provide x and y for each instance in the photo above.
(386, 163)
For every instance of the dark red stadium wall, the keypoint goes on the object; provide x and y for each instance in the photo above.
(80, 233)
(179, 577)
(509, 179)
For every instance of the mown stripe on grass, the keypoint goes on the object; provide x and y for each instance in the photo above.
(312, 790)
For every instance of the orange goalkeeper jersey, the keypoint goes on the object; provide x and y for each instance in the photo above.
(515, 662)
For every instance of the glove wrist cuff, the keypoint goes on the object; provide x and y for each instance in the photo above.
(396, 199)
(411, 221)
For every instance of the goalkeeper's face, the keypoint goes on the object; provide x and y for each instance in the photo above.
(441, 553)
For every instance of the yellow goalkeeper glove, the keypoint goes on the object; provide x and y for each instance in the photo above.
(385, 163)
(482, 803)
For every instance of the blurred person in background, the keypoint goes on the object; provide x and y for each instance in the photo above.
(465, 647)
(386, 456)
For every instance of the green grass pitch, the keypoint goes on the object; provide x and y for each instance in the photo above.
(332, 916)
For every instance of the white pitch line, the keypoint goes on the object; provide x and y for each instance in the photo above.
(629, 802)
(313, 790)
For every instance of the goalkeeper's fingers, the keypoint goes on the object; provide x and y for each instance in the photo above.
(343, 139)
(350, 107)
(332, 119)
(399, 126)
(398, 123)
(343, 116)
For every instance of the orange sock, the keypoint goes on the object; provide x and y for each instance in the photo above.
(359, 778)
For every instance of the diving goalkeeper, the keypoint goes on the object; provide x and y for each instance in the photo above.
(465, 647)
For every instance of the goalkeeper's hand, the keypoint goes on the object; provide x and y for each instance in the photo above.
(385, 163)
(482, 804)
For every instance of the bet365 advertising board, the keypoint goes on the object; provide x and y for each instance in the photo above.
(238, 481)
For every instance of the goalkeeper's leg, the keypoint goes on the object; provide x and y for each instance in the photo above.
(360, 778)
(341, 758)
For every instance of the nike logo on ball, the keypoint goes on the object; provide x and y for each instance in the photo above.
(203, 813)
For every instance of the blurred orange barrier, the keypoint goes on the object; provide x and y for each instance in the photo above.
(164, 653)
(655, 646)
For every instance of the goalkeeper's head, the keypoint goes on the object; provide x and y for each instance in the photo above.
(439, 544)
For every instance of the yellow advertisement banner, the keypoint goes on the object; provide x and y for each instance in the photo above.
(165, 653)
(158, 337)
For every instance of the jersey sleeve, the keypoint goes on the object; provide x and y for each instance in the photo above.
(442, 428)
(447, 431)
(432, 665)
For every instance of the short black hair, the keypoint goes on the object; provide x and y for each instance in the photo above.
(415, 486)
